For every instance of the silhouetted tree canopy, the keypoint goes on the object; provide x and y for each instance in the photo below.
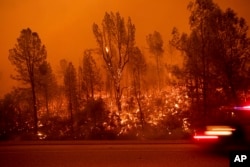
(216, 56)
(155, 44)
(27, 56)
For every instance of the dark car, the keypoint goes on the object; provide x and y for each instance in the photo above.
(230, 132)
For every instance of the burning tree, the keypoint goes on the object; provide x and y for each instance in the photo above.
(116, 41)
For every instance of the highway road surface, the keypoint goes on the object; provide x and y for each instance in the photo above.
(109, 154)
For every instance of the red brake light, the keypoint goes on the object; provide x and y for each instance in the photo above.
(242, 108)
(198, 137)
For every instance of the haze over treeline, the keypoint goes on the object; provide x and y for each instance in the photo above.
(120, 90)
(73, 21)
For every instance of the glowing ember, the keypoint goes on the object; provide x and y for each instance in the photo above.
(107, 49)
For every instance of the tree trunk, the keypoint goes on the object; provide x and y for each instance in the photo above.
(158, 72)
(118, 94)
(34, 107)
(46, 100)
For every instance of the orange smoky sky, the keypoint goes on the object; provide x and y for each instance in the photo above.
(65, 26)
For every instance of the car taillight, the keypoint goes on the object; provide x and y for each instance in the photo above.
(205, 137)
(242, 108)
(219, 130)
(219, 133)
(213, 132)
